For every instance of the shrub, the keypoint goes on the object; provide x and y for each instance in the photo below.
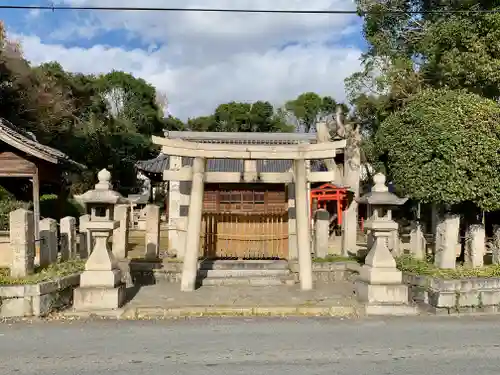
(6, 206)
(49, 207)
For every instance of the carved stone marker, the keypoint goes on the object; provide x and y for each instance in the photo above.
(22, 243)
(49, 244)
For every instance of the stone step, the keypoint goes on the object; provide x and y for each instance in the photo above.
(253, 281)
(244, 264)
(243, 272)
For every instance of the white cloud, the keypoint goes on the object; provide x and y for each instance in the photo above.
(201, 60)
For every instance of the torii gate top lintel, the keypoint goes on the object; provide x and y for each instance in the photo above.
(304, 151)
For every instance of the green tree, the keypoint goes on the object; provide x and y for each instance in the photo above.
(173, 123)
(242, 117)
(201, 124)
(132, 101)
(408, 52)
(101, 121)
(443, 148)
(309, 107)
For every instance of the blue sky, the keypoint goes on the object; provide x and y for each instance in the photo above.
(199, 60)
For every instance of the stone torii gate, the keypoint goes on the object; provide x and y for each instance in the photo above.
(196, 173)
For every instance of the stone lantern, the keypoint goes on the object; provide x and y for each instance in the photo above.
(379, 284)
(100, 283)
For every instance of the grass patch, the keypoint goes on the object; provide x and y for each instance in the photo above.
(53, 272)
(408, 264)
(335, 259)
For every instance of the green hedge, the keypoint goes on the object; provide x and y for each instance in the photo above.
(6, 206)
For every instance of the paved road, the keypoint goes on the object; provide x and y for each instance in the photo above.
(413, 346)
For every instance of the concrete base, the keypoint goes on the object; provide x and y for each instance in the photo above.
(380, 275)
(110, 278)
(99, 298)
(396, 294)
(394, 310)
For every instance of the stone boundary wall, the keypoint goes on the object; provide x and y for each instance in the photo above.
(329, 272)
(149, 272)
(37, 299)
(470, 295)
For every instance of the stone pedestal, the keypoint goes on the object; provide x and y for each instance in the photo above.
(100, 283)
(380, 285)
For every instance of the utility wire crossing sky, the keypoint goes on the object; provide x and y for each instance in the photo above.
(229, 10)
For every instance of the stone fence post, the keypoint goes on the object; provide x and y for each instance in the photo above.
(68, 238)
(152, 250)
(85, 237)
(495, 251)
(321, 233)
(475, 246)
(446, 241)
(22, 243)
(120, 234)
(49, 244)
(417, 242)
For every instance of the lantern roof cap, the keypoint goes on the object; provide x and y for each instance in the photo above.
(380, 195)
(102, 193)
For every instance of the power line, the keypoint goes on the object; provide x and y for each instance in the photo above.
(229, 10)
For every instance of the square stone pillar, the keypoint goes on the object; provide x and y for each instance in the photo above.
(495, 251)
(446, 236)
(152, 238)
(68, 238)
(86, 243)
(22, 243)
(303, 225)
(475, 246)
(321, 233)
(190, 265)
(417, 242)
(120, 234)
(49, 244)
(178, 204)
(292, 224)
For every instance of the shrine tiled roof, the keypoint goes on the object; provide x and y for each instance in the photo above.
(162, 161)
(26, 142)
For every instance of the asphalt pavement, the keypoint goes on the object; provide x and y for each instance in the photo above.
(292, 346)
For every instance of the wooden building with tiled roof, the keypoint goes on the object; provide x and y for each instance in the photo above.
(22, 156)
